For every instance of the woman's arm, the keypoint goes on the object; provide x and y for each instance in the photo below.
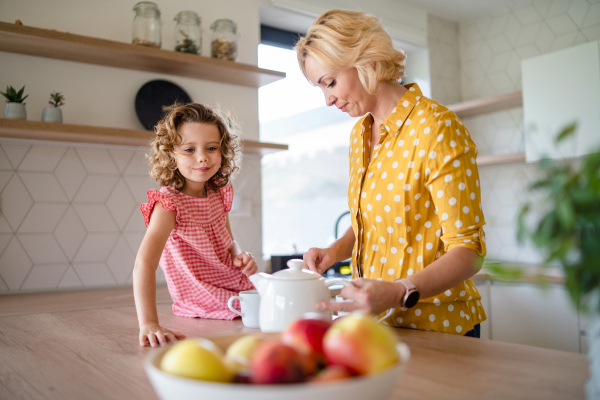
(373, 296)
(319, 260)
(144, 278)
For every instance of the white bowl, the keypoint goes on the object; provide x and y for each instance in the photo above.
(374, 386)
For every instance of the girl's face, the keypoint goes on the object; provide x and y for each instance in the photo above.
(341, 88)
(198, 156)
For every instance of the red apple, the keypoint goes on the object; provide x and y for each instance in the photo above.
(332, 373)
(360, 344)
(306, 336)
(276, 362)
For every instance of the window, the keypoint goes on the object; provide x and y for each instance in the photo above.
(304, 189)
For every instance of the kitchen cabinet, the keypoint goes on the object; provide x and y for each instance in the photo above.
(487, 105)
(532, 315)
(65, 46)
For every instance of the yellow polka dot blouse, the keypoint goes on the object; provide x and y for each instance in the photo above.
(417, 198)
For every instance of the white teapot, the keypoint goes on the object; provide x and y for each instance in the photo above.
(290, 293)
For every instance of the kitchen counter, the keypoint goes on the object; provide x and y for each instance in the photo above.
(83, 345)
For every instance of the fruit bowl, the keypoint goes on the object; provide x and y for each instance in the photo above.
(376, 386)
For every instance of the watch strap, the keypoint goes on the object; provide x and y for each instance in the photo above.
(410, 288)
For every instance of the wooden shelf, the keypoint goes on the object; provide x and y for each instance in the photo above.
(66, 46)
(36, 130)
(500, 159)
(486, 105)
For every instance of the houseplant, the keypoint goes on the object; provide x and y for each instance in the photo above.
(15, 107)
(565, 226)
(53, 113)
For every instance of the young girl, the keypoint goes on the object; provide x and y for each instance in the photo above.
(194, 155)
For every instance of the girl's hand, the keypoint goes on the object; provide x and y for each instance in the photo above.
(246, 262)
(154, 335)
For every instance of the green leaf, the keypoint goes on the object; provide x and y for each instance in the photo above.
(566, 132)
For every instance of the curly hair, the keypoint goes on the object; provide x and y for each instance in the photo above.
(341, 39)
(162, 161)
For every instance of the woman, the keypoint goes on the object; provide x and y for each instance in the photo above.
(414, 185)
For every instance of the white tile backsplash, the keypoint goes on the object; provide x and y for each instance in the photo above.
(70, 173)
(97, 161)
(42, 248)
(96, 247)
(42, 158)
(44, 277)
(70, 280)
(95, 217)
(15, 152)
(70, 233)
(43, 218)
(94, 274)
(120, 261)
(15, 264)
(43, 186)
(96, 188)
(121, 204)
(16, 202)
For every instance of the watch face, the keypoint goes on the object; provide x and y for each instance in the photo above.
(412, 299)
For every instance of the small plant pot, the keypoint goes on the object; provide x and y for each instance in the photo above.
(15, 111)
(52, 114)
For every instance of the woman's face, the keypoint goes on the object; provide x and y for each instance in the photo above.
(341, 88)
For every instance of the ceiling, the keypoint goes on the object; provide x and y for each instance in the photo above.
(455, 10)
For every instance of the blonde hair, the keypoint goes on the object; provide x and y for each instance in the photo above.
(341, 39)
(162, 161)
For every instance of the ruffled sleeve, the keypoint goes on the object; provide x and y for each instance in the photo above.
(227, 196)
(154, 196)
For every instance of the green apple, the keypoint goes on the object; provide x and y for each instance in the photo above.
(361, 344)
(197, 358)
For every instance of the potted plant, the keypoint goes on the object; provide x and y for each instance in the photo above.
(15, 107)
(53, 113)
(565, 226)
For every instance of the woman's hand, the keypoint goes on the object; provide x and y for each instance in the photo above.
(246, 262)
(319, 260)
(154, 335)
(368, 295)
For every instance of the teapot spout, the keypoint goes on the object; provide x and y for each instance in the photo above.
(259, 281)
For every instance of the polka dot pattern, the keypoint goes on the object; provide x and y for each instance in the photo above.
(418, 198)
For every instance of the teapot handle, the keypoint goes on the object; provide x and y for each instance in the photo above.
(337, 281)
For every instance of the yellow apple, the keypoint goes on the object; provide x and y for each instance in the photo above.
(196, 358)
(239, 353)
(361, 344)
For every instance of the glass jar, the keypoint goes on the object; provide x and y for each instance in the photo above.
(188, 36)
(224, 39)
(147, 24)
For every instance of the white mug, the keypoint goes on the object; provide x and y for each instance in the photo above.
(249, 304)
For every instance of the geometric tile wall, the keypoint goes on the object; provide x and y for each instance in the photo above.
(70, 219)
(491, 49)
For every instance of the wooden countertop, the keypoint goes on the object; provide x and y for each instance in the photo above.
(83, 345)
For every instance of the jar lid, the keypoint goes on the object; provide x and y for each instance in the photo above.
(187, 15)
(296, 272)
(224, 23)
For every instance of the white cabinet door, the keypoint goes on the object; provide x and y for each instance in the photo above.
(531, 315)
(558, 89)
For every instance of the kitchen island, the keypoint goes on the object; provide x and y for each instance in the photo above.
(83, 345)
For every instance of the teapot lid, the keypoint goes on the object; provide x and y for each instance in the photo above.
(295, 271)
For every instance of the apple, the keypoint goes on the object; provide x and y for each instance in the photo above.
(306, 335)
(331, 373)
(277, 362)
(360, 344)
(197, 358)
(239, 353)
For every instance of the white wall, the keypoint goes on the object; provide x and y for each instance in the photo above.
(70, 212)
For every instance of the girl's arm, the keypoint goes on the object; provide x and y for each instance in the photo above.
(144, 278)
(241, 259)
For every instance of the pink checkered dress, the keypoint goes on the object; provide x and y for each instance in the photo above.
(196, 261)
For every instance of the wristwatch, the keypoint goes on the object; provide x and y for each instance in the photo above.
(411, 296)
